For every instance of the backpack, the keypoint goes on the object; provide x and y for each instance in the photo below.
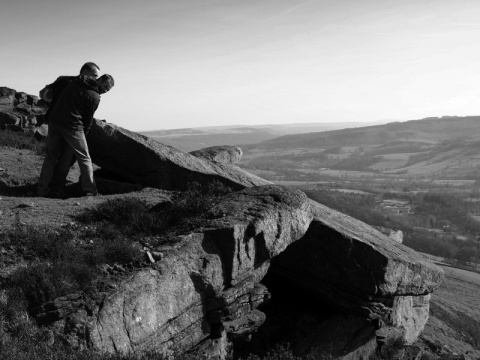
(52, 92)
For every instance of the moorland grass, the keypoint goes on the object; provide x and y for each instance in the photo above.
(136, 219)
(69, 259)
(22, 350)
(23, 141)
(284, 352)
(28, 349)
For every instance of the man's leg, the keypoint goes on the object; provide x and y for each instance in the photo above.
(55, 146)
(62, 169)
(78, 143)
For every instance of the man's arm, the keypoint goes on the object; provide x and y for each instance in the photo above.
(93, 99)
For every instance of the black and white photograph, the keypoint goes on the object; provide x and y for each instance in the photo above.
(240, 180)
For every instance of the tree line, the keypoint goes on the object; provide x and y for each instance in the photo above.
(453, 232)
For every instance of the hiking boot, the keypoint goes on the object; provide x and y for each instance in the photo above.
(42, 194)
(60, 194)
(92, 193)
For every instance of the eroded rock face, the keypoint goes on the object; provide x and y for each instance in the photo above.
(360, 263)
(21, 97)
(210, 284)
(7, 96)
(150, 163)
(411, 314)
(19, 109)
(369, 277)
(224, 154)
(10, 117)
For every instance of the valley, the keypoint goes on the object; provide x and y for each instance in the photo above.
(438, 149)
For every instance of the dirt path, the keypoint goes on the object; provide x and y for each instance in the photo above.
(18, 177)
(44, 211)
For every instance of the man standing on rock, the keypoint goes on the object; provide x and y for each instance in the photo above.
(71, 118)
(50, 94)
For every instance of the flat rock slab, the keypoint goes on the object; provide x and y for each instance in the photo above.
(224, 154)
(150, 163)
(393, 268)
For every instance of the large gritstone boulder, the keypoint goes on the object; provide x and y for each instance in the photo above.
(223, 154)
(344, 285)
(19, 110)
(149, 163)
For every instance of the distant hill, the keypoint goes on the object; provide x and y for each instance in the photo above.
(201, 137)
(427, 130)
(442, 146)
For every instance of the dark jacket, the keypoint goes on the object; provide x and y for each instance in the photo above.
(77, 104)
(55, 90)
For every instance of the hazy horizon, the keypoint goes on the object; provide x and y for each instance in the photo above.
(184, 63)
(364, 123)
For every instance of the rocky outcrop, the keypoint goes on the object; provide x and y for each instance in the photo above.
(213, 285)
(224, 154)
(21, 97)
(7, 96)
(149, 163)
(19, 110)
(10, 117)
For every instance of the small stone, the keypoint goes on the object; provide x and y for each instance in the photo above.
(2, 169)
(160, 266)
(77, 204)
(48, 337)
(26, 205)
(157, 255)
(118, 268)
(153, 272)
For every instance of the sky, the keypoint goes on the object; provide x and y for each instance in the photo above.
(194, 63)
